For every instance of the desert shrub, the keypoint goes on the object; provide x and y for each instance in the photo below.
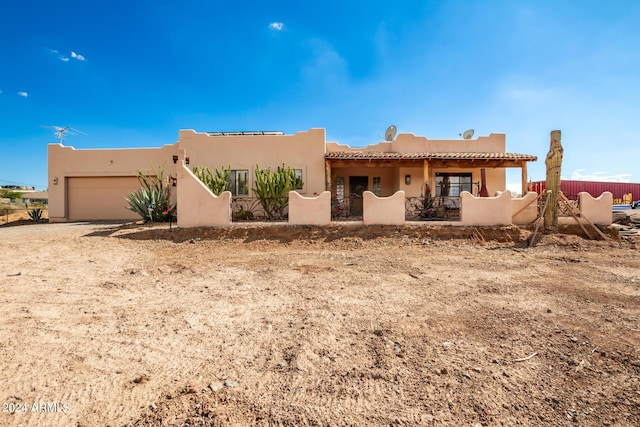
(152, 200)
(272, 189)
(216, 181)
(35, 214)
(6, 209)
(10, 194)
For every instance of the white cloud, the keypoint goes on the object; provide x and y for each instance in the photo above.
(23, 94)
(580, 175)
(65, 58)
(278, 26)
(77, 56)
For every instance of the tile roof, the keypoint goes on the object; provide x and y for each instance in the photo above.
(386, 155)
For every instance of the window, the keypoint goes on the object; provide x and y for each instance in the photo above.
(452, 184)
(298, 173)
(376, 186)
(238, 182)
(340, 188)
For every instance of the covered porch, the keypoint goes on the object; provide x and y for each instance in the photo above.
(440, 176)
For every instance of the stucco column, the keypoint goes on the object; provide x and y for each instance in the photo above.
(524, 178)
(425, 172)
(327, 176)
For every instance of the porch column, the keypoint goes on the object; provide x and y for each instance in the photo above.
(524, 178)
(425, 172)
(327, 175)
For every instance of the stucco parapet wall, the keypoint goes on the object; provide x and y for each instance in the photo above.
(197, 205)
(310, 210)
(383, 210)
(408, 142)
(485, 211)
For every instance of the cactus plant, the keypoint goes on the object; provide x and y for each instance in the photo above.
(216, 182)
(272, 189)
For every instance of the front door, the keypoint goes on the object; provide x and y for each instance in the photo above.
(357, 186)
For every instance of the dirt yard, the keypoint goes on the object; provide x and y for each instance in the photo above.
(295, 326)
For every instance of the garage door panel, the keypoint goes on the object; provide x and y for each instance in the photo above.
(100, 198)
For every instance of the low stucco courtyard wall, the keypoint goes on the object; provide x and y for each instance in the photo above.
(383, 210)
(597, 209)
(485, 210)
(197, 205)
(309, 210)
(524, 209)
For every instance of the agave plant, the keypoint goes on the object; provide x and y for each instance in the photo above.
(35, 214)
(272, 189)
(152, 200)
(216, 182)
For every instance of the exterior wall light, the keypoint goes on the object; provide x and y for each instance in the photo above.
(55, 180)
(173, 180)
(175, 159)
(407, 179)
(186, 160)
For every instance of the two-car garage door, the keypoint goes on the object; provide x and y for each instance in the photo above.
(100, 198)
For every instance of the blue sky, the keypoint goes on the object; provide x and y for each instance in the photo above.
(132, 73)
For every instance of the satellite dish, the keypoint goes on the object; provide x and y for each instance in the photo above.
(390, 133)
(467, 134)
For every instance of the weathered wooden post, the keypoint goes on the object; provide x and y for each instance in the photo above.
(553, 163)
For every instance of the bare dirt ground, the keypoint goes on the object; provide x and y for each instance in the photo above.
(338, 326)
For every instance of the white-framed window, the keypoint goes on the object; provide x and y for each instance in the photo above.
(238, 182)
(377, 187)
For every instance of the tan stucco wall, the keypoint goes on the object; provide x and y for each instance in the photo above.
(310, 210)
(302, 150)
(524, 210)
(65, 162)
(597, 210)
(197, 205)
(408, 143)
(485, 211)
(383, 210)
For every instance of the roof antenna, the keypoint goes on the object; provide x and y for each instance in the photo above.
(61, 131)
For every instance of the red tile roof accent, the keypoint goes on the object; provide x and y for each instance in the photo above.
(382, 155)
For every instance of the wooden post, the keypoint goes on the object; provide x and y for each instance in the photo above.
(554, 164)
(524, 178)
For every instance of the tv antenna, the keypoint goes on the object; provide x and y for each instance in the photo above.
(390, 133)
(60, 132)
(467, 134)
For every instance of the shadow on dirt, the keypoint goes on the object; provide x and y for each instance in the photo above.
(284, 233)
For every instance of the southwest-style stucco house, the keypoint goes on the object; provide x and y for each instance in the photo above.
(91, 184)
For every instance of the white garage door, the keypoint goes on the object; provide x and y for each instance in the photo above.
(100, 198)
